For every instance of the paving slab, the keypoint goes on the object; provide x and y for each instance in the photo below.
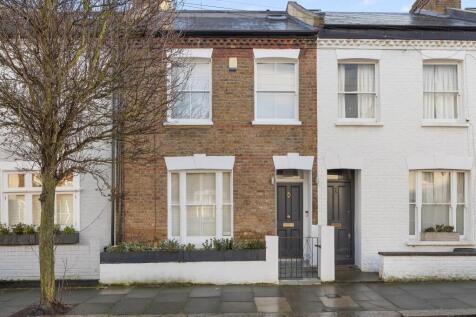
(272, 305)
(205, 292)
(202, 306)
(238, 307)
(155, 308)
(439, 313)
(131, 306)
(91, 309)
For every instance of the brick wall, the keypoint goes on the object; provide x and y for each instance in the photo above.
(436, 5)
(145, 185)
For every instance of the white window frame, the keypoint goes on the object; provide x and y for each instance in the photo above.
(453, 201)
(277, 60)
(341, 113)
(208, 121)
(459, 107)
(183, 205)
(29, 191)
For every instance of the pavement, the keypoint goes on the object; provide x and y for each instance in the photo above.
(340, 299)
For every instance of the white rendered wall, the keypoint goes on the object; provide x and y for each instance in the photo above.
(246, 272)
(410, 268)
(79, 261)
(379, 153)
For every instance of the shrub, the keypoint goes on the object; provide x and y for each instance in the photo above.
(440, 228)
(19, 228)
(56, 229)
(170, 245)
(222, 244)
(69, 230)
(129, 247)
(29, 229)
(430, 229)
(255, 244)
(207, 245)
(4, 229)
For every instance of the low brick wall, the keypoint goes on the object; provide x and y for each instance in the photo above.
(411, 266)
(73, 262)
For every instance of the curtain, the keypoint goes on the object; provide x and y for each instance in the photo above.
(366, 89)
(436, 199)
(175, 202)
(341, 75)
(226, 204)
(16, 209)
(36, 210)
(64, 209)
(440, 96)
(201, 217)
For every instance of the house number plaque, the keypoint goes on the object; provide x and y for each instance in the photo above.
(288, 224)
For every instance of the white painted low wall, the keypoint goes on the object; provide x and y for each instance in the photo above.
(401, 268)
(75, 262)
(326, 252)
(251, 272)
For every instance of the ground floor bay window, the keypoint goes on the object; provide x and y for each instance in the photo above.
(21, 200)
(437, 197)
(200, 205)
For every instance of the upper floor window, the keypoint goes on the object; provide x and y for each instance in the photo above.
(357, 91)
(21, 203)
(440, 91)
(437, 197)
(276, 95)
(193, 104)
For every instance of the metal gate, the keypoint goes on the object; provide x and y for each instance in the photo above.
(298, 258)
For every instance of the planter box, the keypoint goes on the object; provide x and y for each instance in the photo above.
(183, 256)
(440, 236)
(33, 239)
(19, 239)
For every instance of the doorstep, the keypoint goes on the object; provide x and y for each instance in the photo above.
(301, 282)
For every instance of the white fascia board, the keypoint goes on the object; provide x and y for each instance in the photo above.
(434, 162)
(196, 53)
(358, 54)
(276, 53)
(293, 161)
(199, 162)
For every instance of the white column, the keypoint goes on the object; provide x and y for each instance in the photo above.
(326, 254)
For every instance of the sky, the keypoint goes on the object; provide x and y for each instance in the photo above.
(326, 5)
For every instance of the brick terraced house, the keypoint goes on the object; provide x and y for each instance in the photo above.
(241, 141)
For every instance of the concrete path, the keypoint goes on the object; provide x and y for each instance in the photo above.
(358, 299)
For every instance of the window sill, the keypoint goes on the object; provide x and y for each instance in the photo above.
(444, 124)
(276, 122)
(418, 243)
(189, 123)
(358, 123)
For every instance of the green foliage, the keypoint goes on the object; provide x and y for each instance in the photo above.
(170, 245)
(129, 247)
(440, 228)
(207, 245)
(222, 244)
(56, 229)
(19, 228)
(255, 244)
(29, 229)
(69, 230)
(4, 229)
(190, 247)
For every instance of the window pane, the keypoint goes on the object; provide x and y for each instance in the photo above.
(351, 77)
(445, 105)
(64, 209)
(66, 182)
(181, 108)
(226, 188)
(265, 105)
(366, 78)
(36, 181)
(200, 77)
(446, 78)
(436, 187)
(285, 105)
(227, 220)
(16, 180)
(179, 76)
(200, 105)
(351, 106)
(16, 209)
(201, 188)
(201, 221)
(367, 105)
(36, 210)
(276, 77)
(440, 85)
(176, 221)
(412, 186)
(461, 199)
(432, 215)
(411, 228)
(460, 219)
(175, 190)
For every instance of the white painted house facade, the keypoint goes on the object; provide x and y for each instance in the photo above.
(396, 140)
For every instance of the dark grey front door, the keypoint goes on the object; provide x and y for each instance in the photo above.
(289, 205)
(340, 215)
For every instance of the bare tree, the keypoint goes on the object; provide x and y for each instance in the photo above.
(76, 75)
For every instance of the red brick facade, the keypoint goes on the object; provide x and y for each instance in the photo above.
(232, 134)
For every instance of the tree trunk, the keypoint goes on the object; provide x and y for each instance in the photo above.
(47, 256)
